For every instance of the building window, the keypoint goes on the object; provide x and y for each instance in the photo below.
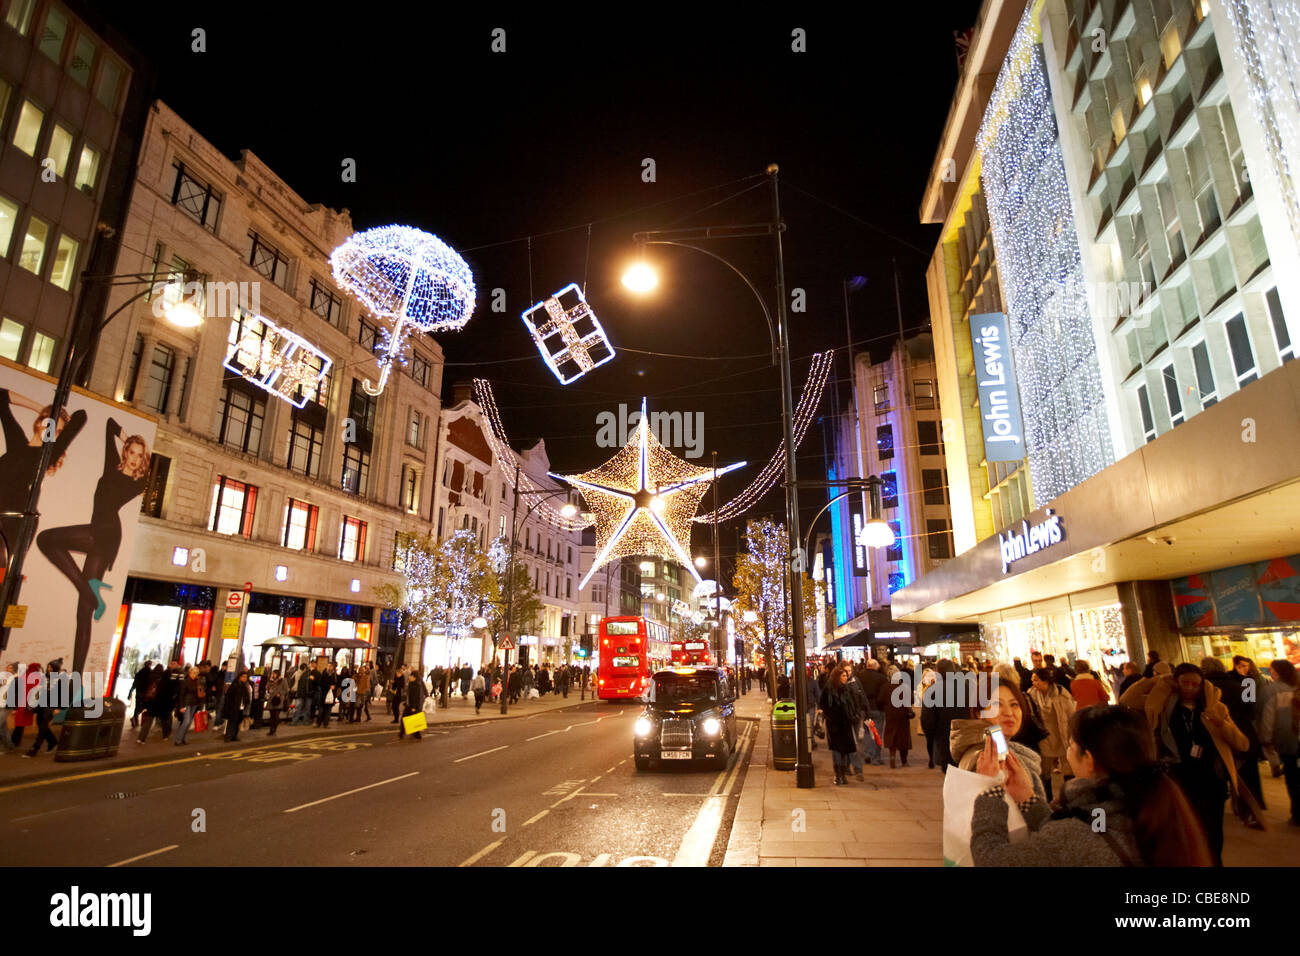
(87, 169)
(420, 370)
(368, 335)
(882, 397)
(1173, 228)
(65, 262)
(924, 393)
(137, 355)
(570, 561)
(326, 304)
(299, 531)
(932, 481)
(41, 356)
(20, 15)
(194, 197)
(885, 442)
(1243, 356)
(232, 508)
(82, 59)
(27, 131)
(356, 470)
(1204, 374)
(55, 32)
(110, 82)
(59, 149)
(1172, 398)
(1148, 420)
(8, 217)
(267, 260)
(158, 387)
(361, 409)
(352, 540)
(155, 486)
(897, 580)
(895, 551)
(1285, 350)
(11, 338)
(889, 490)
(239, 420)
(928, 434)
(410, 489)
(414, 429)
(1198, 169)
(939, 536)
(32, 256)
(401, 544)
(306, 445)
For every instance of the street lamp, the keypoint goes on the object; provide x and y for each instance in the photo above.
(85, 330)
(701, 561)
(640, 279)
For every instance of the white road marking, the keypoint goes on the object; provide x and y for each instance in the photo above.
(602, 859)
(699, 796)
(143, 856)
(697, 845)
(482, 753)
(483, 852)
(348, 793)
(169, 786)
(528, 855)
(589, 793)
(45, 813)
(549, 732)
(535, 818)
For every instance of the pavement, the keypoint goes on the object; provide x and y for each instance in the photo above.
(16, 769)
(895, 817)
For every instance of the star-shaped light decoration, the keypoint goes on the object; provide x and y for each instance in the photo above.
(643, 499)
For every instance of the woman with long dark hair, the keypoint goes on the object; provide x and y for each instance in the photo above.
(1280, 727)
(123, 479)
(1120, 810)
(842, 715)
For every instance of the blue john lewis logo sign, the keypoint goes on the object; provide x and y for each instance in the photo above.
(1030, 539)
(999, 398)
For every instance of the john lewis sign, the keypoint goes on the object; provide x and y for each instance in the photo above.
(1030, 539)
(1004, 433)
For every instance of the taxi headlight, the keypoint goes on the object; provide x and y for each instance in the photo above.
(644, 727)
(711, 726)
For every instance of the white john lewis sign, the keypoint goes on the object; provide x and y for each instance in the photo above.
(995, 377)
(1030, 539)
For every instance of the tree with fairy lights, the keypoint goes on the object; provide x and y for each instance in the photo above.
(520, 593)
(761, 587)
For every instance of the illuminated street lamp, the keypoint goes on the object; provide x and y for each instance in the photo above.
(701, 561)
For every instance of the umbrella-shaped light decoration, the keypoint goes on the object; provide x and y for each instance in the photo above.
(643, 498)
(409, 277)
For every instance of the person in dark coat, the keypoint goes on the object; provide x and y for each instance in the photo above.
(277, 698)
(1131, 676)
(137, 691)
(1243, 705)
(898, 728)
(929, 716)
(235, 704)
(415, 697)
(397, 692)
(514, 684)
(944, 714)
(840, 710)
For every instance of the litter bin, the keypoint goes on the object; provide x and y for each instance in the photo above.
(88, 738)
(784, 750)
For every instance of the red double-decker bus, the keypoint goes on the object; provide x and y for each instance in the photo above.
(691, 653)
(632, 649)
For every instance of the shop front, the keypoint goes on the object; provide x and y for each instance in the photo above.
(1251, 610)
(160, 621)
(345, 622)
(443, 651)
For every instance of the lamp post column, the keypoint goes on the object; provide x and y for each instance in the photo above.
(510, 594)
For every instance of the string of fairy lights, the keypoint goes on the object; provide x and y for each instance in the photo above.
(809, 399)
(1270, 57)
(1067, 432)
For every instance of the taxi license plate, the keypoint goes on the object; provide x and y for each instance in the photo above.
(675, 754)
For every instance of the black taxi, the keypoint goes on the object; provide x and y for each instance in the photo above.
(690, 715)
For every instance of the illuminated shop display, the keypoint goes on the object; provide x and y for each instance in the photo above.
(568, 334)
(1067, 434)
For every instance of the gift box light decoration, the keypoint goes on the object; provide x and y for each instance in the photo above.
(643, 500)
(568, 334)
(408, 277)
(275, 359)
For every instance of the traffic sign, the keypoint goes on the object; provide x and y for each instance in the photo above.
(235, 600)
(506, 643)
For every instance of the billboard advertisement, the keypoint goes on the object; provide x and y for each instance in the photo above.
(75, 571)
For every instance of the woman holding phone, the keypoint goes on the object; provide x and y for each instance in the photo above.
(1120, 809)
(971, 737)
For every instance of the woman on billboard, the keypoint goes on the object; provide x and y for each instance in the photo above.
(21, 456)
(123, 479)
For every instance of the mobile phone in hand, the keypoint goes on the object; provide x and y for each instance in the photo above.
(999, 741)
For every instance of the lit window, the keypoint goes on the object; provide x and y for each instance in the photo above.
(42, 354)
(20, 15)
(352, 540)
(299, 530)
(1171, 45)
(882, 397)
(60, 149)
(27, 131)
(65, 261)
(281, 573)
(33, 251)
(87, 169)
(8, 218)
(923, 391)
(11, 338)
(233, 504)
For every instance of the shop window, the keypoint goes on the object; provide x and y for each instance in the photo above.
(885, 442)
(1243, 356)
(299, 530)
(233, 504)
(155, 487)
(352, 540)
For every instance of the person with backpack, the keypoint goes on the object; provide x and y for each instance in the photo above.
(1117, 779)
(1280, 728)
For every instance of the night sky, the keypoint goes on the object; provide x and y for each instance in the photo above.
(485, 150)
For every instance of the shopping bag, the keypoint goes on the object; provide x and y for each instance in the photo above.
(201, 721)
(533, 694)
(431, 704)
(414, 723)
(875, 734)
(960, 788)
(496, 690)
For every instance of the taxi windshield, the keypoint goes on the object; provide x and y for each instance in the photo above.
(669, 688)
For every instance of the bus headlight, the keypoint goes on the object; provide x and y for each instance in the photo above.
(711, 726)
(644, 727)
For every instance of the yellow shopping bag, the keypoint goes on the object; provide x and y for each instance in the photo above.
(414, 723)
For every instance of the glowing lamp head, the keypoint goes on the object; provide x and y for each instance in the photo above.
(640, 278)
(701, 561)
(751, 617)
(480, 623)
(183, 315)
(877, 534)
(569, 509)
